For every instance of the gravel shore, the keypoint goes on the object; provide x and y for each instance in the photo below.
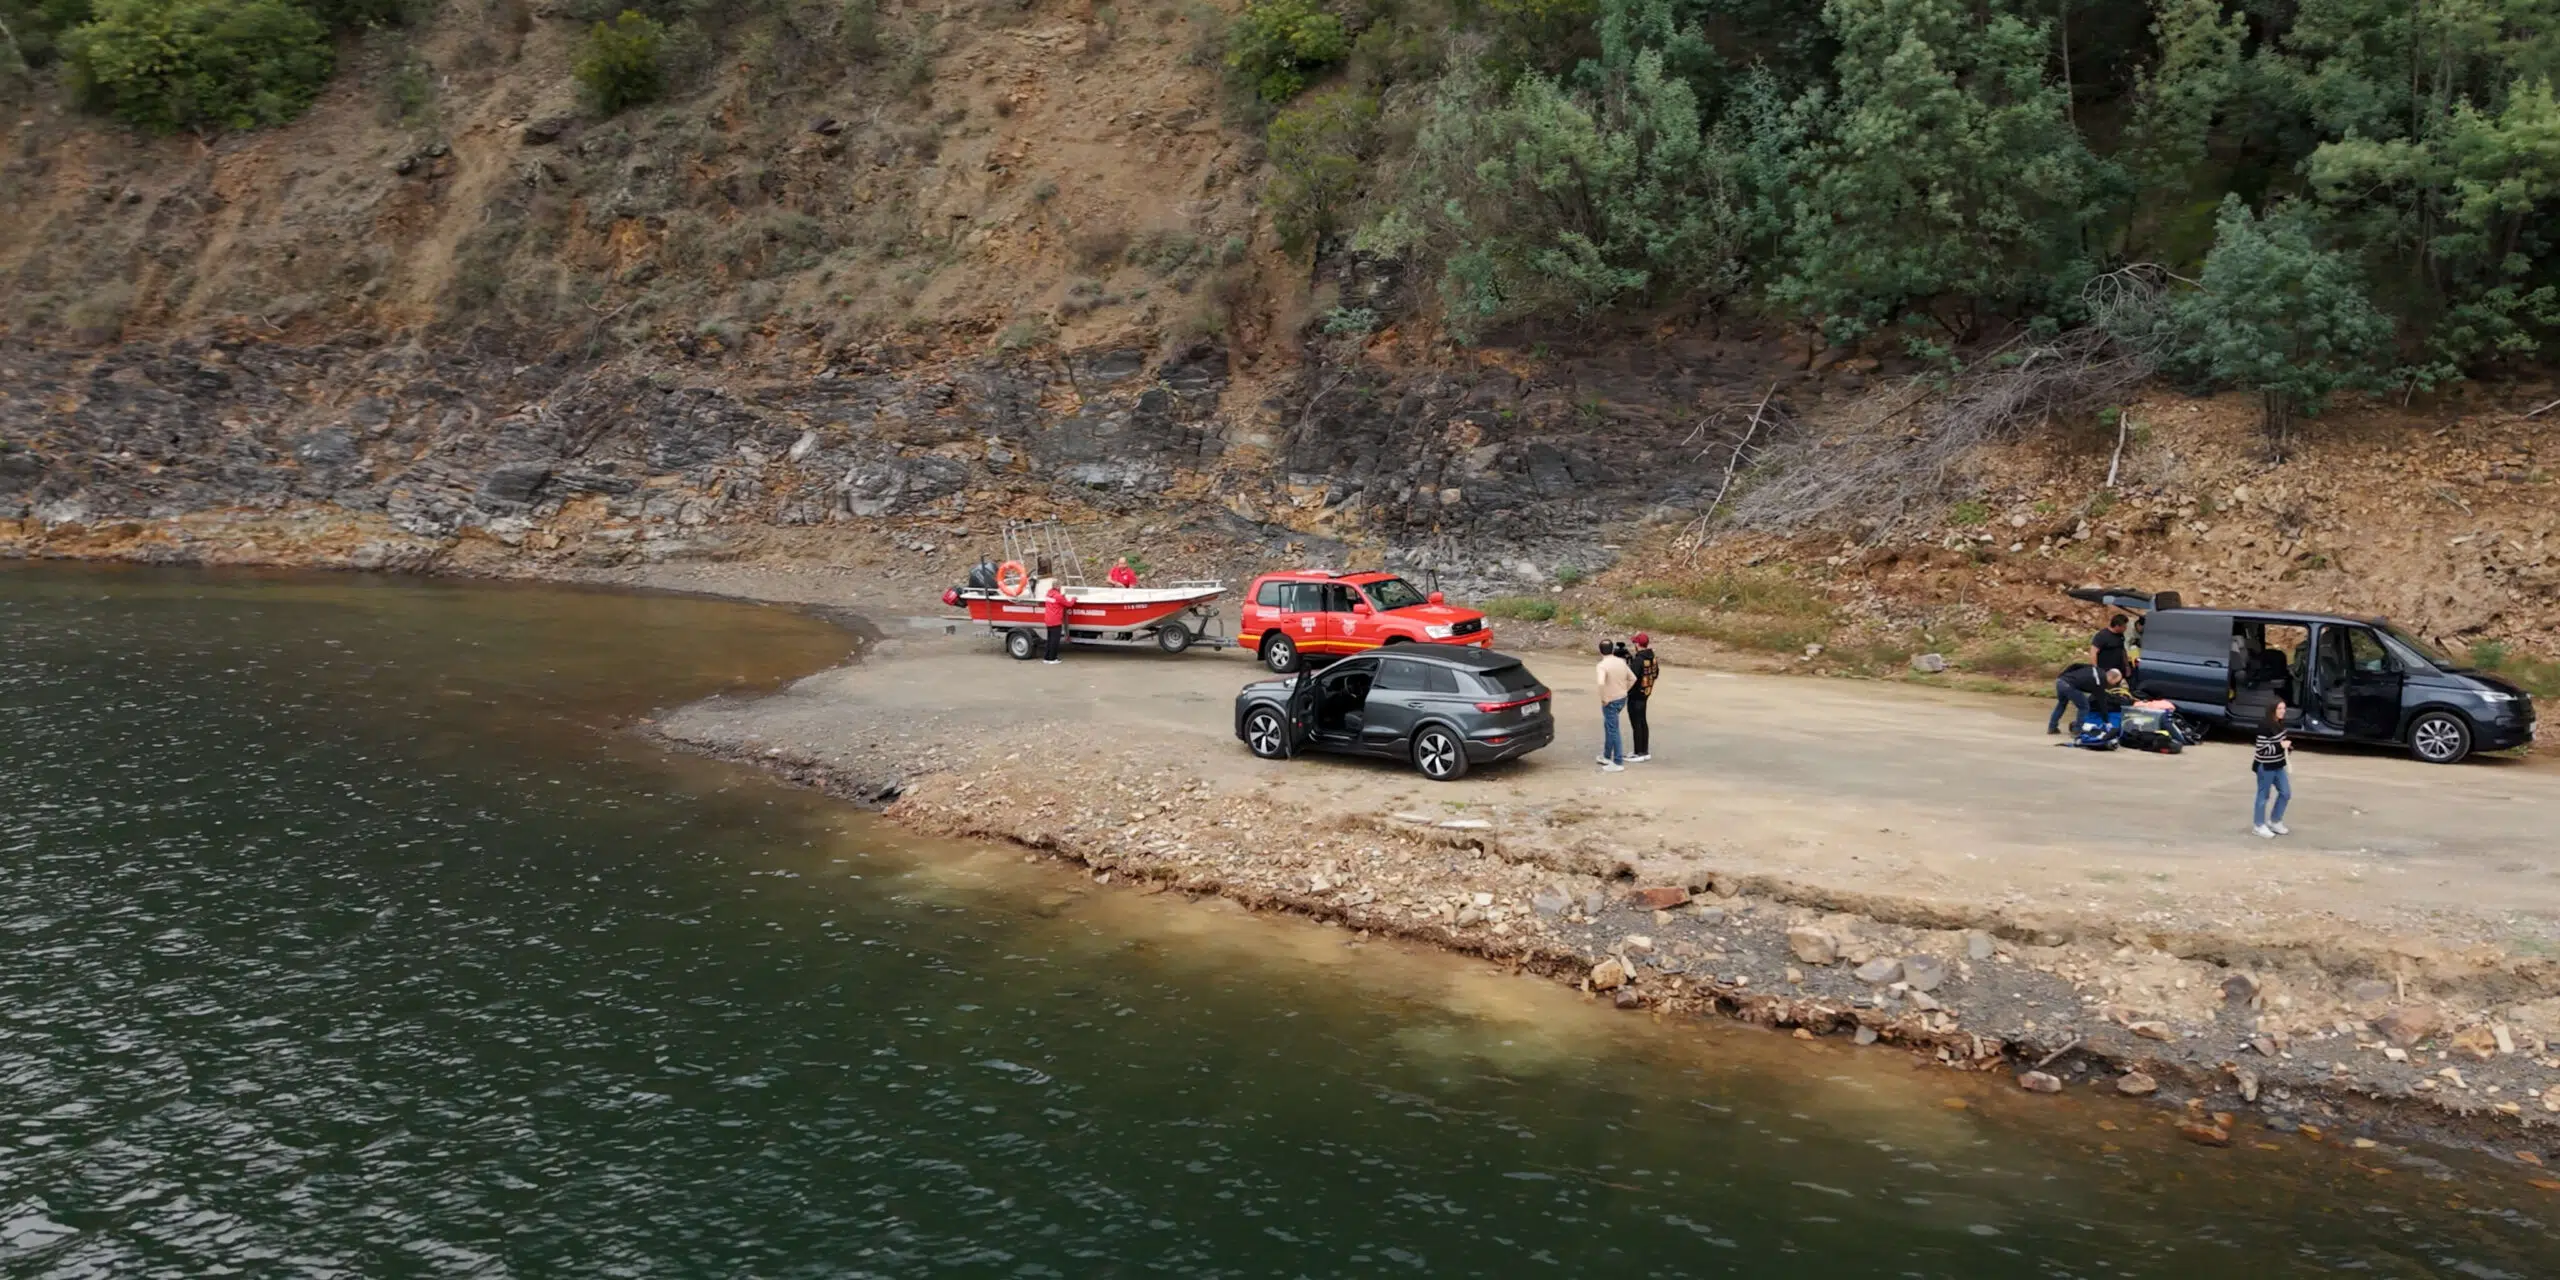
(2288, 1020)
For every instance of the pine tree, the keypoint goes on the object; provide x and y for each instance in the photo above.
(2280, 316)
(1948, 176)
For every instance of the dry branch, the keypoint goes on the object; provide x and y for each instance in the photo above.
(1871, 476)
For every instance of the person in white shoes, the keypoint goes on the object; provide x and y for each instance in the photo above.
(2273, 752)
(1616, 680)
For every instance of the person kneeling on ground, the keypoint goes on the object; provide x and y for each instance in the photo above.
(2112, 696)
(2273, 753)
(2072, 689)
(1122, 575)
(1616, 681)
(2104, 718)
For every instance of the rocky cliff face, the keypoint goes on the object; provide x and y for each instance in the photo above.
(1489, 478)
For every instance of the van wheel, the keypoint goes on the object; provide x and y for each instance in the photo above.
(1280, 653)
(2440, 737)
(1020, 644)
(1439, 755)
(1264, 732)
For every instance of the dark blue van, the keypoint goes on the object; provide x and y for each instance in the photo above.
(2347, 679)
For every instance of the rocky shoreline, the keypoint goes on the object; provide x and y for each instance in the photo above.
(2055, 1013)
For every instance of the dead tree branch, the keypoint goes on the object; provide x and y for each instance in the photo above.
(1872, 475)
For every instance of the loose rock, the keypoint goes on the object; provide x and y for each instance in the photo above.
(1865, 1035)
(2479, 1042)
(2039, 1082)
(2408, 1024)
(1661, 899)
(1550, 902)
(2204, 1134)
(1813, 945)
(1924, 973)
(1608, 975)
(2134, 1084)
(2151, 1030)
(1977, 945)
(1877, 973)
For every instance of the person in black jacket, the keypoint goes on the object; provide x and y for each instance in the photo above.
(2113, 695)
(2072, 689)
(1648, 669)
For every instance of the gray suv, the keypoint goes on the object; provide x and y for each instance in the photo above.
(2346, 678)
(1441, 707)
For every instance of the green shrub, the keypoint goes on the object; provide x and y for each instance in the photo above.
(1279, 44)
(37, 28)
(619, 66)
(1318, 149)
(1521, 609)
(165, 65)
(1969, 514)
(858, 29)
(355, 15)
(1349, 322)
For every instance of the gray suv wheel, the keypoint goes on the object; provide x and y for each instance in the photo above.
(1265, 734)
(1439, 755)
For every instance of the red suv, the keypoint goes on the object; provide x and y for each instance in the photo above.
(1312, 613)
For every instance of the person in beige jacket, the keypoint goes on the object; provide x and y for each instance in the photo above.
(1617, 679)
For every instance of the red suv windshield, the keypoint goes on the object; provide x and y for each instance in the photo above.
(1392, 593)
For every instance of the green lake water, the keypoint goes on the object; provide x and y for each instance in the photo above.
(344, 932)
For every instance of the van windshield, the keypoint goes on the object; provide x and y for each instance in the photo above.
(2435, 657)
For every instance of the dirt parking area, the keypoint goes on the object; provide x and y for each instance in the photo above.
(1873, 791)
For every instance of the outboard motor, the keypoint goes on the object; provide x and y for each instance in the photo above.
(983, 578)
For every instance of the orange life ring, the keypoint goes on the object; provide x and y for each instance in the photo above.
(1012, 579)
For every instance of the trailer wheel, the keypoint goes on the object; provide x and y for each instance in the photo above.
(1173, 637)
(1019, 643)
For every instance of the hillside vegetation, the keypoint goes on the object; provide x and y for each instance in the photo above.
(2346, 193)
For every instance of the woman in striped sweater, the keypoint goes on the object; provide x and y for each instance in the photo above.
(2274, 751)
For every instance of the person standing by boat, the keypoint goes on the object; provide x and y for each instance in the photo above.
(1053, 613)
(1122, 575)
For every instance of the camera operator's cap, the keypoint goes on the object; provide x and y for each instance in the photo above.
(1643, 639)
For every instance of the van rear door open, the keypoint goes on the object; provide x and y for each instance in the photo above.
(2186, 658)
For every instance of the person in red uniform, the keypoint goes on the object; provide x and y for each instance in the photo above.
(1053, 612)
(1122, 575)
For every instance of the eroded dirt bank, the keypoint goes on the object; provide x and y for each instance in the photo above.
(1922, 869)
